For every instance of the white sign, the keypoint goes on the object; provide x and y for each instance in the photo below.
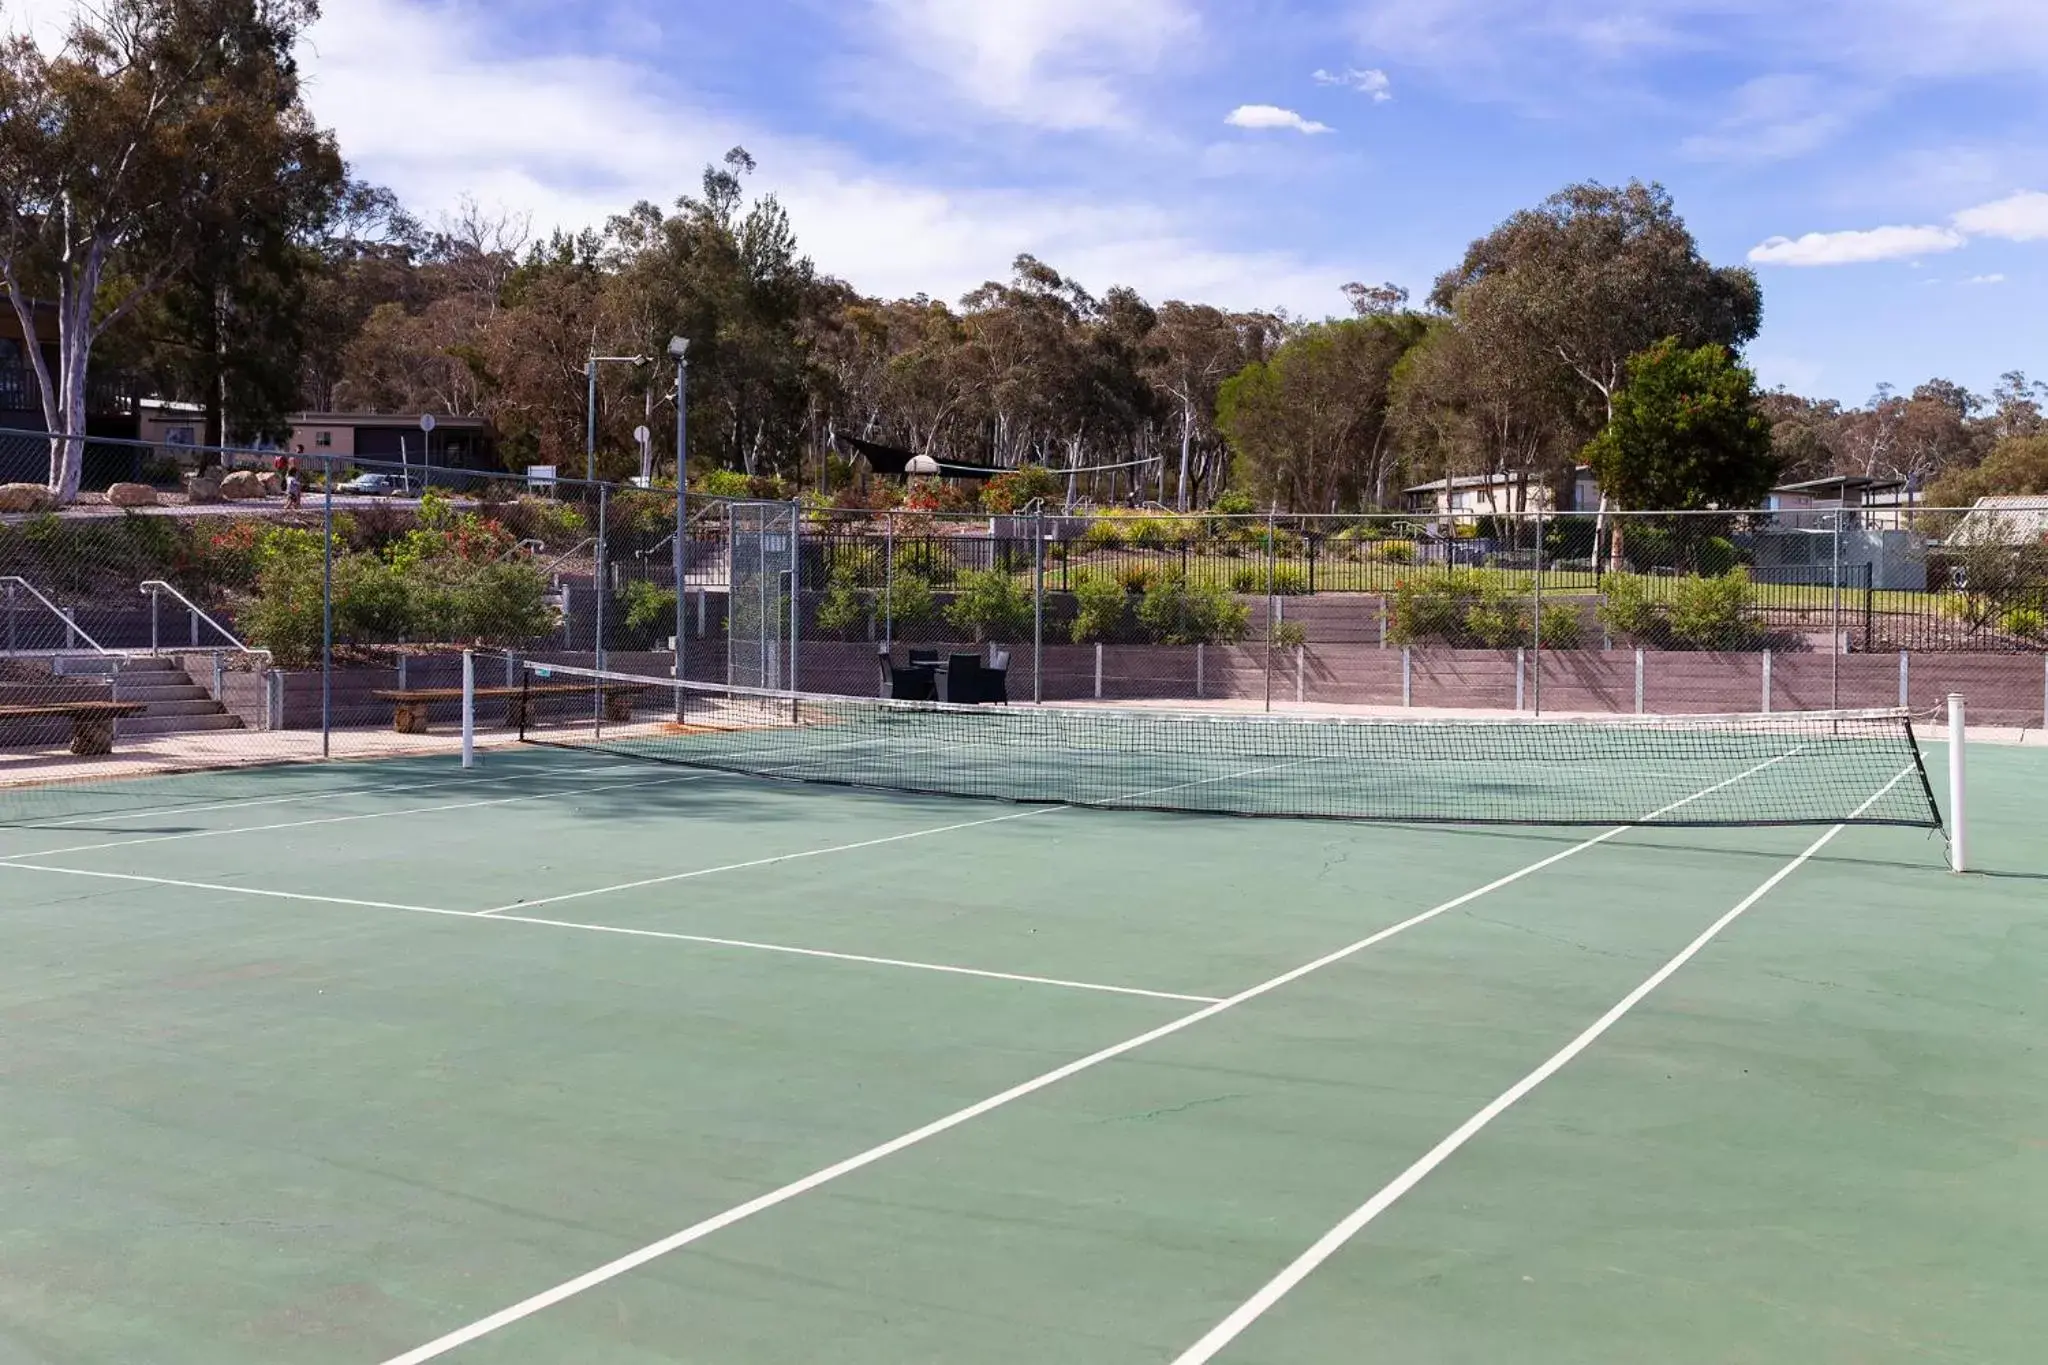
(426, 421)
(540, 478)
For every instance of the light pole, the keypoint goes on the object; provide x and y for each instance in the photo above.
(590, 416)
(679, 347)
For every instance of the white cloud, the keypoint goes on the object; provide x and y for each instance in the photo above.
(422, 101)
(1366, 81)
(1265, 116)
(2021, 217)
(1778, 117)
(1985, 279)
(1855, 247)
(1053, 64)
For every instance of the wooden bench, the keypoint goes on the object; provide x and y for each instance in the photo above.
(92, 722)
(410, 705)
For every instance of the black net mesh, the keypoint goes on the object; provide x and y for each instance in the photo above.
(1783, 769)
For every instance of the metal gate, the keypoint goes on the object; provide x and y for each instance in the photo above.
(761, 630)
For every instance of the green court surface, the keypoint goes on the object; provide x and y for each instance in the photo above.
(571, 1058)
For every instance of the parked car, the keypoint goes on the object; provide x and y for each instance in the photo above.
(368, 486)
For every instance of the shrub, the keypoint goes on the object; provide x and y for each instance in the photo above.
(1289, 634)
(1012, 491)
(926, 559)
(2029, 623)
(649, 611)
(1398, 552)
(1157, 533)
(1714, 613)
(1256, 580)
(1716, 557)
(1647, 547)
(1563, 626)
(1499, 619)
(991, 605)
(1627, 609)
(1431, 608)
(909, 602)
(1102, 533)
(1177, 612)
(724, 483)
(1136, 577)
(845, 609)
(1233, 503)
(1101, 604)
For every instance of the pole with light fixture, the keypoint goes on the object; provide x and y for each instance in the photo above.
(590, 403)
(679, 348)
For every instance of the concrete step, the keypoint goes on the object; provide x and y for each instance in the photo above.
(135, 727)
(198, 706)
(151, 664)
(153, 691)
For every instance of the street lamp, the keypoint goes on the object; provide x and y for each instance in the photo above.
(590, 420)
(679, 347)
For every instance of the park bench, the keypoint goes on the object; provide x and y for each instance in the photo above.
(410, 705)
(92, 722)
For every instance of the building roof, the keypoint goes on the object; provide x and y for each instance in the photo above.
(1471, 481)
(1842, 483)
(2007, 519)
(383, 419)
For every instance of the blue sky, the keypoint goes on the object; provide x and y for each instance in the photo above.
(1189, 148)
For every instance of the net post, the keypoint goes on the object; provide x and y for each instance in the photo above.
(525, 702)
(600, 581)
(1639, 681)
(1958, 814)
(468, 708)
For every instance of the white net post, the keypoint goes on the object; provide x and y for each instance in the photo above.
(468, 708)
(1958, 810)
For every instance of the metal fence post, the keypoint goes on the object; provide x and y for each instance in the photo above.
(681, 556)
(326, 609)
(1835, 650)
(889, 584)
(796, 589)
(1906, 679)
(1639, 682)
(1521, 676)
(1536, 625)
(1407, 676)
(1098, 670)
(1038, 606)
(1767, 682)
(1201, 661)
(1272, 599)
(153, 597)
(1300, 675)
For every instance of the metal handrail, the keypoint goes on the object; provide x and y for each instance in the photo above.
(530, 545)
(568, 554)
(154, 587)
(11, 582)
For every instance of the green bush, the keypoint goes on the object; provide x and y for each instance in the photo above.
(1716, 556)
(1714, 613)
(724, 483)
(1012, 491)
(1101, 604)
(991, 605)
(1157, 533)
(1233, 503)
(926, 559)
(1499, 619)
(1177, 612)
(845, 609)
(649, 611)
(1136, 577)
(1563, 626)
(1627, 609)
(1102, 533)
(1647, 547)
(2029, 623)
(1398, 552)
(1289, 634)
(1254, 580)
(1432, 608)
(909, 602)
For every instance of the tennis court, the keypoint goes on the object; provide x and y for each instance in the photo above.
(579, 1057)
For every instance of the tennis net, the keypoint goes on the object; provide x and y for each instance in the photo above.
(1782, 769)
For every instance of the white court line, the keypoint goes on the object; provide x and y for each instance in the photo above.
(696, 1232)
(1304, 1265)
(852, 957)
(949, 969)
(61, 821)
(869, 843)
(587, 790)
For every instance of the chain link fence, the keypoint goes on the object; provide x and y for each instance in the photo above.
(223, 621)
